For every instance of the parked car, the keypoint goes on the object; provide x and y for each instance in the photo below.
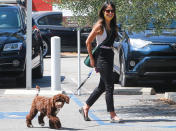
(51, 24)
(13, 44)
(84, 33)
(145, 55)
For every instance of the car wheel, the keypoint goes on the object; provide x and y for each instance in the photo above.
(45, 48)
(123, 79)
(38, 72)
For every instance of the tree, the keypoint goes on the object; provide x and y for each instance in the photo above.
(134, 15)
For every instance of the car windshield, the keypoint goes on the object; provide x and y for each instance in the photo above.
(9, 18)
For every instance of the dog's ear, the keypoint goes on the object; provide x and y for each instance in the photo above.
(50, 105)
(52, 102)
(67, 99)
(62, 97)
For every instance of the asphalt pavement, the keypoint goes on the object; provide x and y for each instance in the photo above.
(140, 110)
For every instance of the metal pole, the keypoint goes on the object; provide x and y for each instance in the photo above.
(29, 46)
(79, 60)
(55, 63)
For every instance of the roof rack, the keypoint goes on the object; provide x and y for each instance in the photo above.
(13, 1)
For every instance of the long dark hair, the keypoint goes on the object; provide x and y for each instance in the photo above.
(113, 23)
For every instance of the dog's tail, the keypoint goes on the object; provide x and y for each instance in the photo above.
(38, 90)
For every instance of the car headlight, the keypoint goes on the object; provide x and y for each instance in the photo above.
(138, 43)
(12, 46)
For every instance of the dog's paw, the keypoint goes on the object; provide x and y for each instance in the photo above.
(30, 126)
(42, 124)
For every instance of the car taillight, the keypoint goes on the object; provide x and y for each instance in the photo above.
(34, 27)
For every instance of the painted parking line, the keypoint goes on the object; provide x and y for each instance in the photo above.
(33, 92)
(94, 117)
(13, 115)
(101, 122)
(22, 115)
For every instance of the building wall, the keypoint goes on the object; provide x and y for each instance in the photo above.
(41, 5)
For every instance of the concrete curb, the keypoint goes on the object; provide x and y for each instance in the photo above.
(117, 91)
(148, 91)
(134, 91)
(33, 92)
(171, 96)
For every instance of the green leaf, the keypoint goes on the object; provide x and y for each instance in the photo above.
(134, 15)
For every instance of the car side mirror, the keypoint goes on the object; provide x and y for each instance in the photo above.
(116, 44)
(23, 3)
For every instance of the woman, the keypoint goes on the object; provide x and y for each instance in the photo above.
(105, 32)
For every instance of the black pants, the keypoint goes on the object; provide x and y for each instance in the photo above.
(105, 67)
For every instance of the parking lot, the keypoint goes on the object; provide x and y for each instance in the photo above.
(141, 112)
(143, 105)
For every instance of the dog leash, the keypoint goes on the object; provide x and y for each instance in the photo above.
(76, 92)
(90, 73)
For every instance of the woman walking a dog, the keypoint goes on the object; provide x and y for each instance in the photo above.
(105, 30)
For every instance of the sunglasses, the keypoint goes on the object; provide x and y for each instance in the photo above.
(108, 11)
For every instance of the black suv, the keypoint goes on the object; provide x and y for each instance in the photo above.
(13, 43)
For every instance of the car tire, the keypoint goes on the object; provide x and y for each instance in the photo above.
(45, 48)
(38, 72)
(123, 79)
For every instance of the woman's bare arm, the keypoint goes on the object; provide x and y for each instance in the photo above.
(95, 31)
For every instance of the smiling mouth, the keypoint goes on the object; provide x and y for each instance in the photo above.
(110, 15)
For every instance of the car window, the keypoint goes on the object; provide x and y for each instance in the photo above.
(171, 25)
(55, 19)
(9, 18)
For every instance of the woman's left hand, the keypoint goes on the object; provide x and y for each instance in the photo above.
(96, 69)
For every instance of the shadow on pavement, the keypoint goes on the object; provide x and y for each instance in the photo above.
(149, 120)
(70, 129)
(8, 83)
(44, 82)
(62, 128)
(160, 86)
(149, 108)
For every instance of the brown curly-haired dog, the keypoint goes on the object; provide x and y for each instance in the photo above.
(47, 107)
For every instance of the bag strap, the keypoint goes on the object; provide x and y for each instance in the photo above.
(106, 40)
